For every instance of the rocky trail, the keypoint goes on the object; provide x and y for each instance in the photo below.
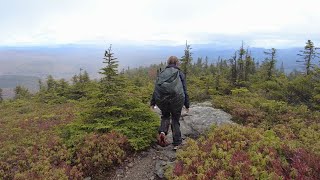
(151, 164)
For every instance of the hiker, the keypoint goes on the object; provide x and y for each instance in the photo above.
(170, 95)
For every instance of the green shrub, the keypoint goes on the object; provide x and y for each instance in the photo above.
(240, 92)
(131, 118)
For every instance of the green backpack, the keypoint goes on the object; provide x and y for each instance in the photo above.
(169, 89)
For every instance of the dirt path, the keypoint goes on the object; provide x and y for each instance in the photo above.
(148, 165)
(151, 164)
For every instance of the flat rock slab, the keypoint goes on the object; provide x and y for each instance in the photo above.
(200, 118)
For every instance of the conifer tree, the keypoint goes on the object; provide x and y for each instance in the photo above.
(114, 107)
(21, 92)
(41, 86)
(75, 79)
(62, 87)
(85, 77)
(80, 75)
(257, 65)
(76, 91)
(249, 66)
(206, 62)
(254, 66)
(206, 66)
(282, 68)
(219, 74)
(242, 52)
(186, 59)
(234, 74)
(309, 53)
(198, 66)
(51, 83)
(42, 91)
(109, 80)
(270, 62)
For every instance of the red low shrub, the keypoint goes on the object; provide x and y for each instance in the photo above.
(98, 152)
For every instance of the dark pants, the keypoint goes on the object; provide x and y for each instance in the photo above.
(175, 114)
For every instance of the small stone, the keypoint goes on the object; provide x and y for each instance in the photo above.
(151, 178)
(154, 158)
(166, 158)
(143, 154)
(130, 165)
(120, 172)
(160, 158)
(159, 170)
(163, 163)
(87, 178)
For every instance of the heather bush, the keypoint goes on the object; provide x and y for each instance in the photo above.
(29, 145)
(237, 152)
(98, 152)
(295, 123)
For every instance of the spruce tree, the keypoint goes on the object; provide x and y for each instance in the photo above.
(270, 62)
(309, 53)
(110, 79)
(234, 74)
(241, 69)
(111, 86)
(62, 87)
(114, 107)
(80, 75)
(282, 68)
(85, 77)
(21, 92)
(206, 66)
(51, 83)
(186, 59)
(249, 66)
(75, 79)
(41, 86)
(42, 91)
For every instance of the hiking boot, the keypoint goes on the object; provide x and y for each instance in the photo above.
(162, 140)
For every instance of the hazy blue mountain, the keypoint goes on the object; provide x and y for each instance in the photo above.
(63, 61)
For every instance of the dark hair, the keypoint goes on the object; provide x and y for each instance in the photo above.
(173, 60)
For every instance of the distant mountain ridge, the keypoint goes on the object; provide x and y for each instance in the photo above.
(63, 61)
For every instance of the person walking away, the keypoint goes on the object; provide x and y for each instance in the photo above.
(170, 94)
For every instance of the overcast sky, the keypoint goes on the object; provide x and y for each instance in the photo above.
(260, 23)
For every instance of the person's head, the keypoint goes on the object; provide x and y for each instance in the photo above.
(173, 60)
